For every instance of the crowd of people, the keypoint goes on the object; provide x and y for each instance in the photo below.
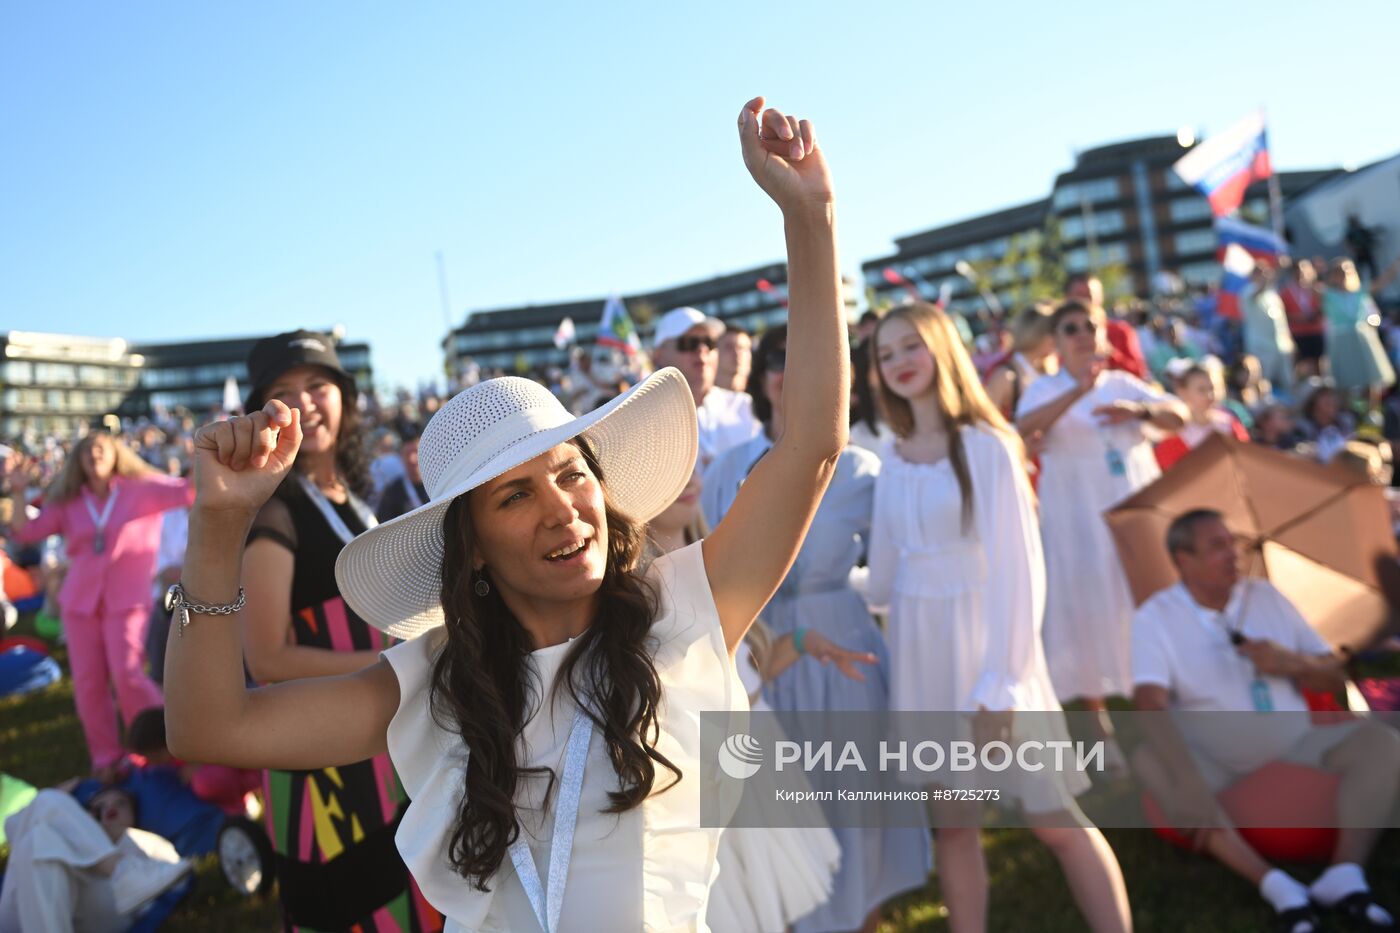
(910, 517)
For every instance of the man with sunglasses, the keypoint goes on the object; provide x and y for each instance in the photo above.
(1124, 347)
(687, 339)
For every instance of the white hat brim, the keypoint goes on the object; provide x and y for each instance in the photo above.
(646, 441)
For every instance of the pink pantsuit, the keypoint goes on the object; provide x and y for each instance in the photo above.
(105, 599)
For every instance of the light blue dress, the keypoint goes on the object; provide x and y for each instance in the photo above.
(1354, 349)
(876, 864)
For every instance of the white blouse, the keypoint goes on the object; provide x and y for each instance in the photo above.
(649, 868)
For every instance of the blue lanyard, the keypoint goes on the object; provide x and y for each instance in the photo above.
(547, 907)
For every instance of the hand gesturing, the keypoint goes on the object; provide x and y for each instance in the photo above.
(781, 154)
(240, 462)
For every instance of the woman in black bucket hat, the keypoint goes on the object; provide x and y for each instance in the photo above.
(333, 829)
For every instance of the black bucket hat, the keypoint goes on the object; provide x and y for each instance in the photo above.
(273, 356)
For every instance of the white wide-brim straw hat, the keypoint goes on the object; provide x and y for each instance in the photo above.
(645, 440)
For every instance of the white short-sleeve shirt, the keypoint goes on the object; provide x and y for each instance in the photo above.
(1185, 647)
(725, 419)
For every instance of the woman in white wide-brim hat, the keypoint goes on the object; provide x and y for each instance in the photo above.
(544, 715)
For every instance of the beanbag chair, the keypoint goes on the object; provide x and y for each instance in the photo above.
(1278, 792)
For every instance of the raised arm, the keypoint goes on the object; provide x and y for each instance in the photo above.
(751, 550)
(210, 716)
(48, 522)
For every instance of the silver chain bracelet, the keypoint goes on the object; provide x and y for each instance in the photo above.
(175, 601)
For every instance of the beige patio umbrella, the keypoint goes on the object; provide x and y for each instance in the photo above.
(1318, 533)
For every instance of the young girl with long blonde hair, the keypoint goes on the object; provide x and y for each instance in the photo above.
(955, 554)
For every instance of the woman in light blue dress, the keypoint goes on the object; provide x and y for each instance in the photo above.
(1355, 353)
(817, 595)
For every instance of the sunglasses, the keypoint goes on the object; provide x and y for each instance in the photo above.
(1075, 329)
(776, 361)
(691, 344)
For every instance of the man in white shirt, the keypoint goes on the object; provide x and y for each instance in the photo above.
(1216, 643)
(686, 339)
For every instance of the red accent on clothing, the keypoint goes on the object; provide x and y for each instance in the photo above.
(1125, 352)
(1304, 309)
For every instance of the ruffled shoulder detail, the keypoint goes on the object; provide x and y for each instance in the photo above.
(678, 855)
(697, 675)
(431, 763)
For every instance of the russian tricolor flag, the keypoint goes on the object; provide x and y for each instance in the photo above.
(1239, 265)
(1261, 243)
(1225, 165)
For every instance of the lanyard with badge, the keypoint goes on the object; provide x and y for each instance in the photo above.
(1259, 693)
(329, 513)
(548, 903)
(99, 540)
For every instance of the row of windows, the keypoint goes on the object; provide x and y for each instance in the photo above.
(1093, 191)
(1079, 260)
(1104, 223)
(23, 372)
(78, 400)
(187, 375)
(1185, 210)
(40, 426)
(1194, 241)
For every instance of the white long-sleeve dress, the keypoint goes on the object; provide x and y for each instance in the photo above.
(965, 604)
(1085, 469)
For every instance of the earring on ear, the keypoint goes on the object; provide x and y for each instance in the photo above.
(482, 588)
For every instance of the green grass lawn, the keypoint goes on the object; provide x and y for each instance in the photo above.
(1170, 890)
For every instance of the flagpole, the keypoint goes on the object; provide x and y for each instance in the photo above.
(1275, 190)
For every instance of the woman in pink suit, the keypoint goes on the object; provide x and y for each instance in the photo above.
(106, 503)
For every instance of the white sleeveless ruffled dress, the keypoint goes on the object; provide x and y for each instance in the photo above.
(770, 877)
(648, 869)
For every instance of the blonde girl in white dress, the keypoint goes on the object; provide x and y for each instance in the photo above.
(955, 555)
(543, 714)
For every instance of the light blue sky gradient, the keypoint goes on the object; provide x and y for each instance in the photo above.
(197, 170)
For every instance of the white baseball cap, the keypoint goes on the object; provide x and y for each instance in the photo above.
(677, 321)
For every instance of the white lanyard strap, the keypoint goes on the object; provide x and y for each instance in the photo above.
(549, 905)
(100, 521)
(414, 500)
(329, 513)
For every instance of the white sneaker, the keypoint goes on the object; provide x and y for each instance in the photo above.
(149, 866)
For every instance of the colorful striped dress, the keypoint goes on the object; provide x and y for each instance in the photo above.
(337, 865)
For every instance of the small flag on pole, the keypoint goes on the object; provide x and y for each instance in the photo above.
(1222, 167)
(233, 402)
(616, 330)
(564, 333)
(771, 291)
(895, 277)
(1239, 266)
(1260, 242)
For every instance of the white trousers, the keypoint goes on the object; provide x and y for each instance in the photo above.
(53, 884)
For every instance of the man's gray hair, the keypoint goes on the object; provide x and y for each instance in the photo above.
(1181, 536)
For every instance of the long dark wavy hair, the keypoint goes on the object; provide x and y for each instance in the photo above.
(483, 690)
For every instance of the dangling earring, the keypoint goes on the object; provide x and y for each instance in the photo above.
(482, 588)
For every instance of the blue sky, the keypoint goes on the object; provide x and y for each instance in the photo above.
(199, 170)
